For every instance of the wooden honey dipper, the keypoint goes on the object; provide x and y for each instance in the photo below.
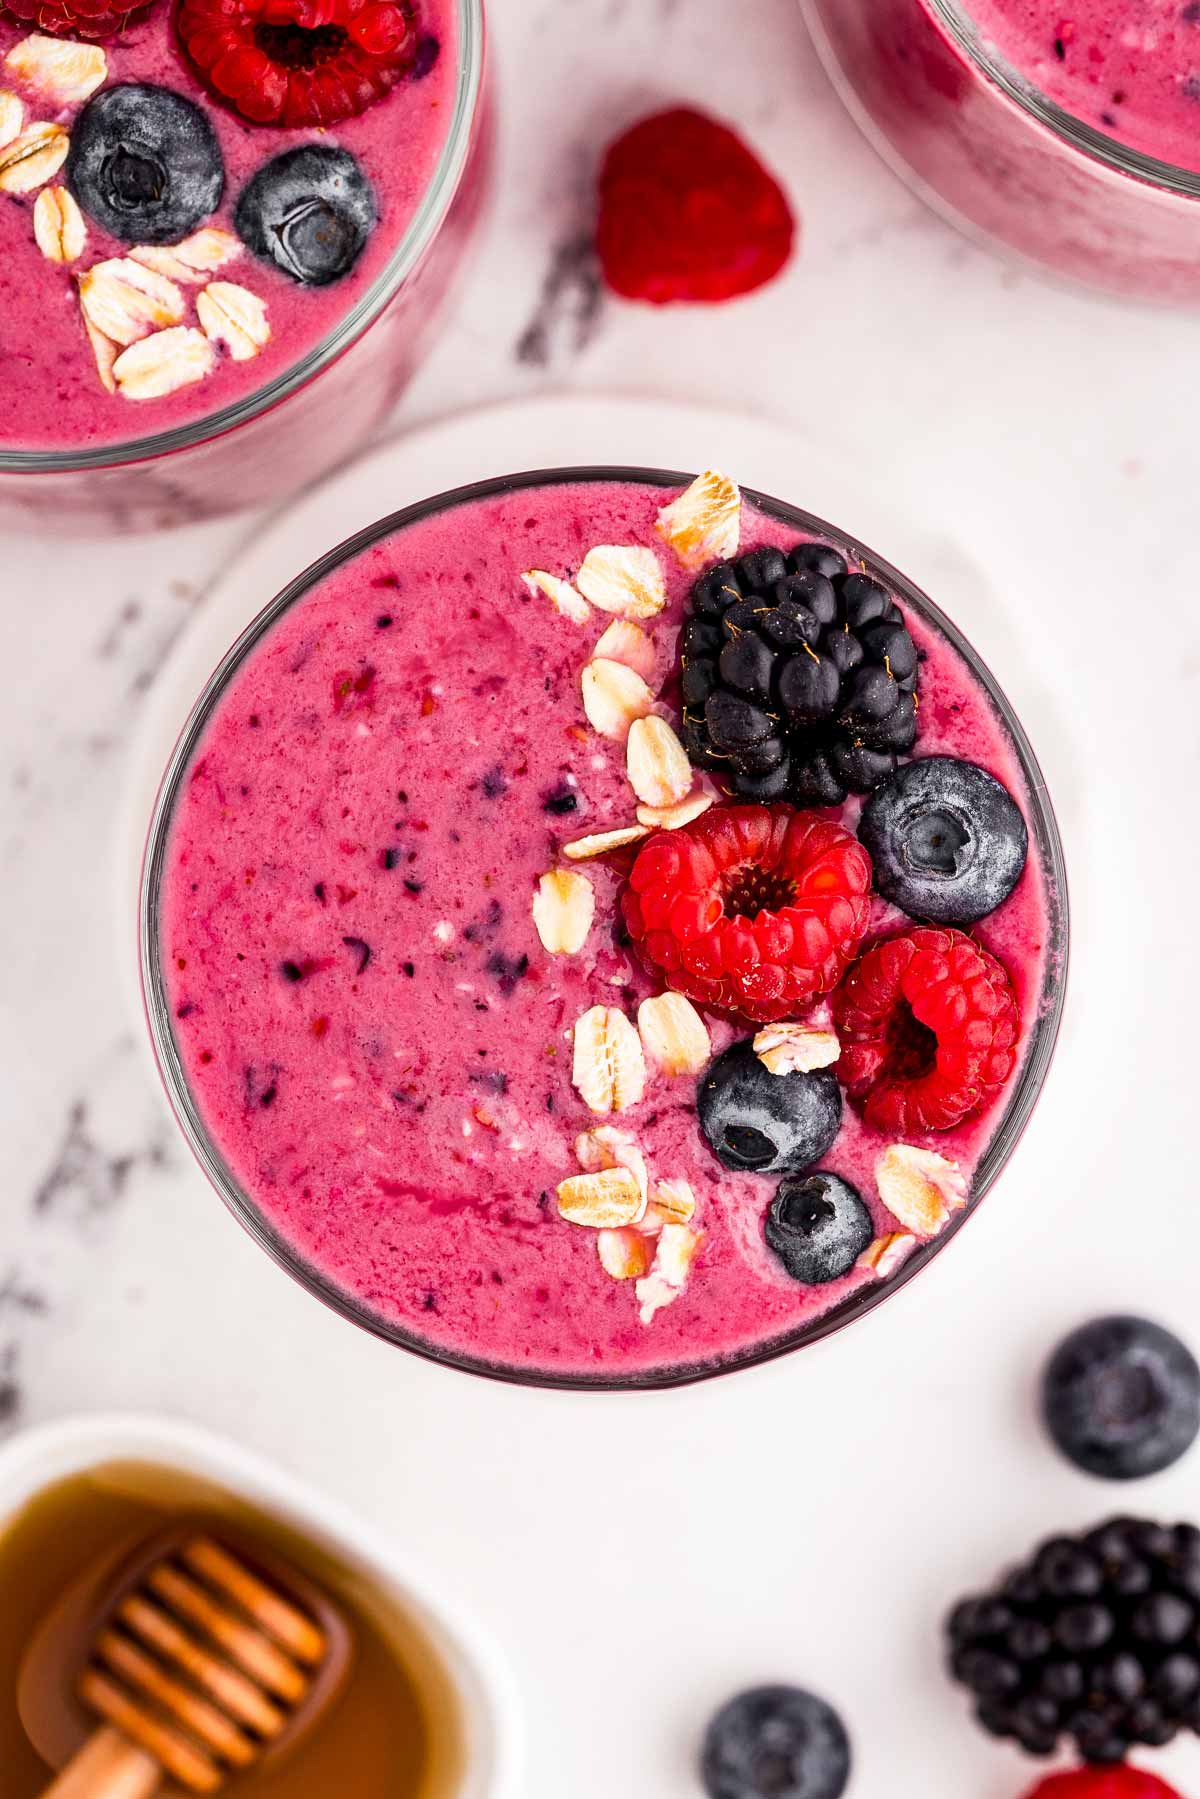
(198, 1670)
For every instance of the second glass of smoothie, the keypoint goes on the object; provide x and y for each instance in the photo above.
(1068, 135)
(228, 232)
(602, 930)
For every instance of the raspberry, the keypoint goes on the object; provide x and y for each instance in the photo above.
(1103, 1783)
(299, 62)
(94, 19)
(687, 212)
(928, 1024)
(755, 910)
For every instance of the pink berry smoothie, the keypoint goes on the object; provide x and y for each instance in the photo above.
(373, 1037)
(1131, 70)
(1028, 123)
(55, 398)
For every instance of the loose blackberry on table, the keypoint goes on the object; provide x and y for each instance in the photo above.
(1094, 1642)
(799, 678)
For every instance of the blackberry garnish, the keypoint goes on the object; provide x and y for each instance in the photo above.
(1094, 1640)
(799, 678)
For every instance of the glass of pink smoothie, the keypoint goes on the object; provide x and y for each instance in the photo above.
(445, 1043)
(213, 286)
(1069, 135)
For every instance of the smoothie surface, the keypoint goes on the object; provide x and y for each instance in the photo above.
(374, 1035)
(53, 394)
(1129, 68)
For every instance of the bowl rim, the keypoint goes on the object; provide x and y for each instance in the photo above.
(1018, 1108)
(1101, 146)
(37, 1456)
(419, 235)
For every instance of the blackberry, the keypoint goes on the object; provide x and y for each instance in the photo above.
(799, 678)
(1096, 1640)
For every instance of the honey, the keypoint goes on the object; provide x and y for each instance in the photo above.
(394, 1732)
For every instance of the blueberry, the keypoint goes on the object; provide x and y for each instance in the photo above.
(1121, 1398)
(818, 1226)
(309, 211)
(145, 164)
(947, 840)
(767, 1123)
(775, 1743)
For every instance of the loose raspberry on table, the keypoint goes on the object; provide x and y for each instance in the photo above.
(754, 910)
(93, 19)
(1122, 1782)
(299, 62)
(687, 212)
(928, 1024)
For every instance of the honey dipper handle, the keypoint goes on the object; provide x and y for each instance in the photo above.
(108, 1766)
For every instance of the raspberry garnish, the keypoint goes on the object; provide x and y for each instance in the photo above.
(299, 62)
(928, 1024)
(755, 910)
(687, 212)
(93, 19)
(1121, 1782)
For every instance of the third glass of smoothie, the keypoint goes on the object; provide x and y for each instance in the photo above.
(228, 229)
(603, 930)
(1069, 135)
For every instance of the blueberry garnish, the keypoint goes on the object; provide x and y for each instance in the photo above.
(764, 1123)
(1121, 1398)
(818, 1226)
(309, 211)
(947, 840)
(775, 1743)
(145, 164)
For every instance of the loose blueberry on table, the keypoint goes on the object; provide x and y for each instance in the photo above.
(1121, 1398)
(775, 1742)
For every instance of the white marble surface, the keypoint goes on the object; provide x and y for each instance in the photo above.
(641, 1557)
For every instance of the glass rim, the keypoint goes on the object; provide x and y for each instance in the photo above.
(1011, 1123)
(420, 233)
(1153, 171)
